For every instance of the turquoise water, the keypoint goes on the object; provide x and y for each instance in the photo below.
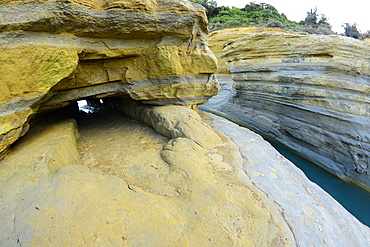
(352, 197)
(355, 199)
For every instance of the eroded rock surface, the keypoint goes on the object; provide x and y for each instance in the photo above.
(314, 217)
(218, 39)
(171, 121)
(128, 185)
(55, 52)
(133, 187)
(216, 42)
(309, 93)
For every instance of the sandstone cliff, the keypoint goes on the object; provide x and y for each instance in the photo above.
(155, 190)
(55, 52)
(176, 179)
(218, 39)
(310, 93)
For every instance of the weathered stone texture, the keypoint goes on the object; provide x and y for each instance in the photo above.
(218, 39)
(310, 93)
(154, 191)
(55, 52)
(147, 190)
(315, 218)
(123, 184)
(171, 121)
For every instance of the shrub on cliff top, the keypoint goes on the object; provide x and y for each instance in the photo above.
(264, 15)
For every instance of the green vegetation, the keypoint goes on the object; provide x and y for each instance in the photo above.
(313, 24)
(266, 15)
(252, 14)
(350, 30)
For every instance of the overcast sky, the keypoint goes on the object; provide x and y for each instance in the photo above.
(338, 11)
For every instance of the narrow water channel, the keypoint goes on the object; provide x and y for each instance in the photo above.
(355, 199)
(352, 197)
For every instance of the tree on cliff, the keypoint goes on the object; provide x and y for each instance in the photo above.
(350, 30)
(210, 6)
(257, 14)
(315, 23)
(264, 15)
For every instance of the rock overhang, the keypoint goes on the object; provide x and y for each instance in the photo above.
(101, 19)
(63, 51)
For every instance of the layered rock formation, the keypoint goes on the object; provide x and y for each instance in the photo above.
(154, 191)
(178, 182)
(148, 190)
(314, 217)
(216, 42)
(218, 39)
(310, 93)
(55, 52)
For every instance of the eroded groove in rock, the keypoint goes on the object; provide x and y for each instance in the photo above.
(56, 52)
(315, 218)
(171, 121)
(135, 187)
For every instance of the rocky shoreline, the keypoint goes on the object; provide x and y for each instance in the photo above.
(149, 169)
(307, 92)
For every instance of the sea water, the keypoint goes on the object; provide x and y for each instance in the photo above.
(352, 197)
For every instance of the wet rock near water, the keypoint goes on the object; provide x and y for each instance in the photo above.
(167, 176)
(122, 183)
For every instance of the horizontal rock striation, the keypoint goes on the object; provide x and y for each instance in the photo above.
(310, 93)
(55, 52)
(218, 39)
(314, 217)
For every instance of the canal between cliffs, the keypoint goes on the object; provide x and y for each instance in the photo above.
(352, 197)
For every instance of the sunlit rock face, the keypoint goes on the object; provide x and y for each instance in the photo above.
(217, 40)
(123, 184)
(54, 52)
(183, 179)
(310, 93)
(191, 180)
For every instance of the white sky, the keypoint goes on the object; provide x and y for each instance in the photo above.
(337, 11)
